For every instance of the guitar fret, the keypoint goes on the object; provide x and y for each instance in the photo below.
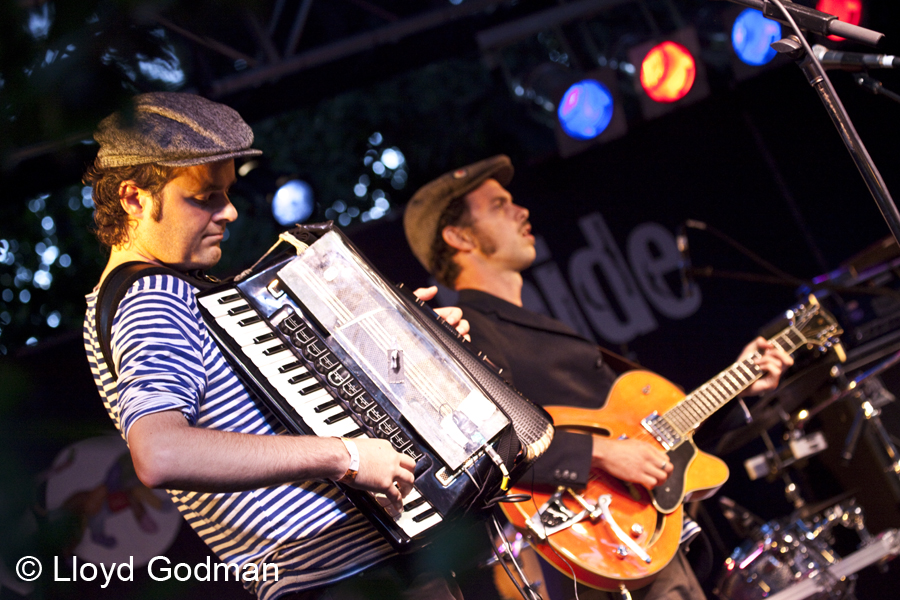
(750, 375)
(795, 338)
(738, 384)
(710, 405)
(692, 413)
(675, 415)
(725, 383)
(721, 395)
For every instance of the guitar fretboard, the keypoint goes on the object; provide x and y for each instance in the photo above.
(697, 406)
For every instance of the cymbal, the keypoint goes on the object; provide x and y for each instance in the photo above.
(809, 510)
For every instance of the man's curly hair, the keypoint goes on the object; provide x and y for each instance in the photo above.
(442, 266)
(111, 222)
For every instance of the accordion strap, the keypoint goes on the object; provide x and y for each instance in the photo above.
(114, 288)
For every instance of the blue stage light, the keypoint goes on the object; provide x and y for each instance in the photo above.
(752, 36)
(293, 202)
(585, 109)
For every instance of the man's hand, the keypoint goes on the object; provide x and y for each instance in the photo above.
(773, 361)
(451, 314)
(385, 472)
(631, 460)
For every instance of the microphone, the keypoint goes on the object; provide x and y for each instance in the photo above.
(854, 61)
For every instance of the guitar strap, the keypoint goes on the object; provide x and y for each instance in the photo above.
(117, 284)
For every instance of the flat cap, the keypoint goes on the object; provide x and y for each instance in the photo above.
(420, 221)
(172, 129)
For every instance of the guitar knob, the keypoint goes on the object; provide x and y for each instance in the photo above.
(636, 530)
(621, 551)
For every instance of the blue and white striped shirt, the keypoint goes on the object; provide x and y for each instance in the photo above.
(167, 360)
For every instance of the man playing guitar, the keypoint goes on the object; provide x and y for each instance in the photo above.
(466, 230)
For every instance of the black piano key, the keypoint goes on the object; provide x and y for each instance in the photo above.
(264, 337)
(355, 433)
(229, 298)
(414, 503)
(250, 320)
(313, 388)
(336, 418)
(424, 515)
(239, 309)
(326, 405)
(290, 367)
(275, 349)
(301, 377)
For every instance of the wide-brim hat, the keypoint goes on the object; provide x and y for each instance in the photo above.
(172, 129)
(424, 210)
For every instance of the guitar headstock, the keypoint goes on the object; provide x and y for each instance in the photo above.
(818, 326)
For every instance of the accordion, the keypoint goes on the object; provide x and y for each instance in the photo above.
(334, 350)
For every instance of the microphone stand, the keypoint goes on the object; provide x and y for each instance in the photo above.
(797, 48)
(870, 84)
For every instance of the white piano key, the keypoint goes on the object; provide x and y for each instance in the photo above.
(316, 421)
(256, 353)
(217, 309)
(406, 520)
(281, 382)
(244, 336)
(232, 323)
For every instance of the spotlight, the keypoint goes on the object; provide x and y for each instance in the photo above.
(586, 109)
(752, 35)
(293, 202)
(668, 71)
(848, 11)
(669, 75)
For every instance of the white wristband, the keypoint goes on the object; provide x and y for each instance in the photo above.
(353, 468)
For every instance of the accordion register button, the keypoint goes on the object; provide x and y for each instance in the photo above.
(399, 441)
(362, 403)
(302, 336)
(289, 324)
(338, 376)
(350, 389)
(313, 349)
(387, 428)
(375, 415)
(414, 452)
(326, 362)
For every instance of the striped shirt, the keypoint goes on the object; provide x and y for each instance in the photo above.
(167, 360)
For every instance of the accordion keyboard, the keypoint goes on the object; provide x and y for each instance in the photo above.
(336, 407)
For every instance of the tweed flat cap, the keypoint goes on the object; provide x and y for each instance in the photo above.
(420, 221)
(173, 130)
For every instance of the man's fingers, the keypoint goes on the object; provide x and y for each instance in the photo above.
(426, 293)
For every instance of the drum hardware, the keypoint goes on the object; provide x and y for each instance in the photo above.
(792, 559)
(513, 553)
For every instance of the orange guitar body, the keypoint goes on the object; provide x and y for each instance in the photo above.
(589, 547)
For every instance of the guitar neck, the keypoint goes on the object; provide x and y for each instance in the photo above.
(700, 404)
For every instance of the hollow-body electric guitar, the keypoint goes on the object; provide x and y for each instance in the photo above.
(616, 535)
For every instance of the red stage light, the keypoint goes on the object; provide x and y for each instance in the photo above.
(668, 72)
(848, 11)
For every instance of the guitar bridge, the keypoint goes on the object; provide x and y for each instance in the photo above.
(554, 516)
(661, 430)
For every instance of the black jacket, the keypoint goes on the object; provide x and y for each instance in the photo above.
(551, 365)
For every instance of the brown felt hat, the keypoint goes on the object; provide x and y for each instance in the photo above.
(172, 129)
(420, 221)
